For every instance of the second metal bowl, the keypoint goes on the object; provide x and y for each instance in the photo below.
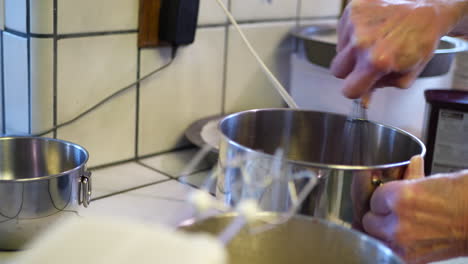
(319, 42)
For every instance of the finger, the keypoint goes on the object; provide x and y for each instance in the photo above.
(361, 80)
(361, 193)
(344, 31)
(366, 98)
(385, 197)
(415, 169)
(344, 62)
(389, 80)
(381, 227)
(406, 80)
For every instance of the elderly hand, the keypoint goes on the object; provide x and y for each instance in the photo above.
(422, 219)
(389, 42)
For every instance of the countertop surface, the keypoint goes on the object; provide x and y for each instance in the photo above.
(148, 190)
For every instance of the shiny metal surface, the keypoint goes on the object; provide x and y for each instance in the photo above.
(40, 182)
(313, 142)
(194, 132)
(300, 240)
(319, 43)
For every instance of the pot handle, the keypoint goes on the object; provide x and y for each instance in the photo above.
(85, 190)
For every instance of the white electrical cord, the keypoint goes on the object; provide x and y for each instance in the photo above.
(281, 90)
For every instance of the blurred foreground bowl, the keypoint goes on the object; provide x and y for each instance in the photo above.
(300, 240)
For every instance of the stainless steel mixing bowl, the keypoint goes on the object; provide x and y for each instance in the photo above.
(314, 143)
(319, 42)
(41, 181)
(300, 240)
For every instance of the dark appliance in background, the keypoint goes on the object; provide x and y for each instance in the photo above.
(446, 131)
(167, 22)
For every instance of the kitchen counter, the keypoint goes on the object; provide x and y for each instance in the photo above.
(148, 190)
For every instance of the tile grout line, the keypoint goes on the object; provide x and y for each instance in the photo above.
(130, 189)
(15, 32)
(188, 184)
(139, 162)
(156, 170)
(176, 178)
(130, 31)
(116, 163)
(166, 152)
(3, 85)
(199, 171)
(96, 34)
(28, 41)
(298, 12)
(224, 84)
(318, 18)
(54, 70)
(171, 178)
(139, 158)
(137, 104)
(298, 23)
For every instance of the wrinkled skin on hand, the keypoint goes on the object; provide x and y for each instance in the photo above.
(422, 219)
(388, 42)
(362, 188)
(361, 193)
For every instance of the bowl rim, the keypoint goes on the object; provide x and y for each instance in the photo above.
(307, 31)
(363, 237)
(48, 177)
(315, 164)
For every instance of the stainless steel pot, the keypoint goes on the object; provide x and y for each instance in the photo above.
(300, 240)
(41, 181)
(314, 144)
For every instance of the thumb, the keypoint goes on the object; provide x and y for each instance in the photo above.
(415, 169)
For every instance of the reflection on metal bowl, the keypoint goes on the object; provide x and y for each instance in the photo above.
(41, 181)
(320, 47)
(315, 143)
(300, 240)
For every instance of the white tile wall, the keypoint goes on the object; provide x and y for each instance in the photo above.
(1, 82)
(173, 163)
(108, 133)
(16, 84)
(188, 90)
(263, 9)
(247, 86)
(42, 17)
(320, 8)
(314, 21)
(94, 16)
(153, 59)
(211, 13)
(2, 14)
(91, 68)
(42, 89)
(15, 15)
(122, 177)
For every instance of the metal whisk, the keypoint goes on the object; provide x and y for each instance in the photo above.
(356, 137)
